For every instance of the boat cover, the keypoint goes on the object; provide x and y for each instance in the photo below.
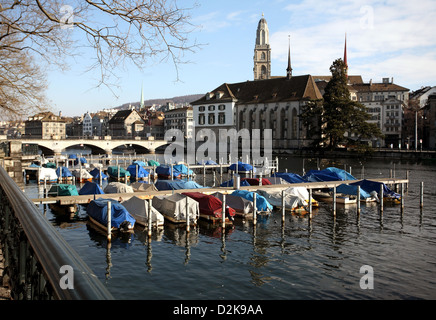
(176, 185)
(60, 189)
(153, 163)
(48, 173)
(255, 181)
(274, 196)
(352, 190)
(139, 209)
(174, 206)
(370, 186)
(142, 173)
(240, 204)
(139, 163)
(206, 162)
(65, 172)
(95, 173)
(85, 174)
(178, 169)
(277, 180)
(91, 188)
(229, 183)
(210, 205)
(50, 165)
(242, 167)
(142, 186)
(97, 209)
(34, 165)
(328, 174)
(262, 204)
(113, 172)
(289, 177)
(118, 187)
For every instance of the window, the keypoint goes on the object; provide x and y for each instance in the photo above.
(201, 108)
(221, 118)
(211, 118)
(201, 119)
(221, 107)
(211, 108)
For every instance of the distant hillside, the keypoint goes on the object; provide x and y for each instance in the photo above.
(175, 100)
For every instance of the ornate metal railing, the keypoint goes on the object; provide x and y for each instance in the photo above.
(38, 262)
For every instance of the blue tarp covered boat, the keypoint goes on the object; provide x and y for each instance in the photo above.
(206, 162)
(176, 185)
(95, 173)
(370, 186)
(178, 170)
(91, 188)
(328, 174)
(352, 190)
(261, 203)
(289, 177)
(140, 163)
(142, 173)
(242, 167)
(66, 173)
(120, 218)
(229, 183)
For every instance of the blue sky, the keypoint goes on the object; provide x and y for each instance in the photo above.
(384, 39)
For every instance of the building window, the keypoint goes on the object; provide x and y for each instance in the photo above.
(221, 118)
(201, 108)
(201, 119)
(211, 108)
(221, 107)
(211, 118)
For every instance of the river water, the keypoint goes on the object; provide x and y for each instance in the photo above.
(300, 259)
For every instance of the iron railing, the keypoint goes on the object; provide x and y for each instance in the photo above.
(39, 263)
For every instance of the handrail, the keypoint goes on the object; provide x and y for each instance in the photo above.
(51, 250)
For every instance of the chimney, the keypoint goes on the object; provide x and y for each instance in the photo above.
(60, 114)
(370, 82)
(392, 80)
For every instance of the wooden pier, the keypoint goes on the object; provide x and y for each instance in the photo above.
(83, 199)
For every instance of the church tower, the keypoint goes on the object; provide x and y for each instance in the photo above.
(262, 52)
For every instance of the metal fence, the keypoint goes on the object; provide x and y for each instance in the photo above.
(39, 263)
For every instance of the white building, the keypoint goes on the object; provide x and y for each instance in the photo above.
(180, 118)
(87, 125)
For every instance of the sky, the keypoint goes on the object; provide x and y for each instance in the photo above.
(385, 39)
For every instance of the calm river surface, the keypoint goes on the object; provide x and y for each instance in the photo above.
(297, 260)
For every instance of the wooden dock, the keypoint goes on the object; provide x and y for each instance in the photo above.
(83, 199)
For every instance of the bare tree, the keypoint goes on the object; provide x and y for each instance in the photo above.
(118, 31)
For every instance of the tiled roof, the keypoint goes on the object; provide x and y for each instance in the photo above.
(120, 116)
(378, 87)
(264, 91)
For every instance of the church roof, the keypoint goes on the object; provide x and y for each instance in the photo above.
(264, 91)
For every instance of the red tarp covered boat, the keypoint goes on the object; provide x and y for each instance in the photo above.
(255, 181)
(210, 206)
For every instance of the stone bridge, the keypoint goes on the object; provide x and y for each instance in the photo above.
(98, 146)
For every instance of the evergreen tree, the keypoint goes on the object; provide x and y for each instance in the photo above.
(338, 119)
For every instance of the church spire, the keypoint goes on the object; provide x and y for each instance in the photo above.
(262, 52)
(289, 68)
(345, 56)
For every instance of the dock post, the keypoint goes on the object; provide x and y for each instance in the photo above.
(60, 175)
(260, 179)
(407, 177)
(109, 221)
(101, 178)
(137, 169)
(221, 173)
(381, 198)
(254, 209)
(283, 206)
(402, 197)
(118, 171)
(358, 200)
(149, 217)
(310, 203)
(334, 201)
(277, 165)
(172, 172)
(223, 213)
(204, 174)
(187, 214)
(421, 201)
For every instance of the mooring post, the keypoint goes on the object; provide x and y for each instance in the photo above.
(334, 200)
(204, 174)
(101, 178)
(358, 200)
(407, 178)
(223, 213)
(381, 198)
(109, 221)
(402, 197)
(187, 214)
(310, 203)
(283, 206)
(149, 217)
(254, 209)
(118, 171)
(421, 202)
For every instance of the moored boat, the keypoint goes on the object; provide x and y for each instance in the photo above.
(140, 210)
(121, 219)
(211, 207)
(61, 190)
(177, 207)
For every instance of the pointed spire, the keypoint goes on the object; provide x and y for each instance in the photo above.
(289, 68)
(345, 56)
(141, 102)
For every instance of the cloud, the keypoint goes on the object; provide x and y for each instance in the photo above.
(390, 38)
